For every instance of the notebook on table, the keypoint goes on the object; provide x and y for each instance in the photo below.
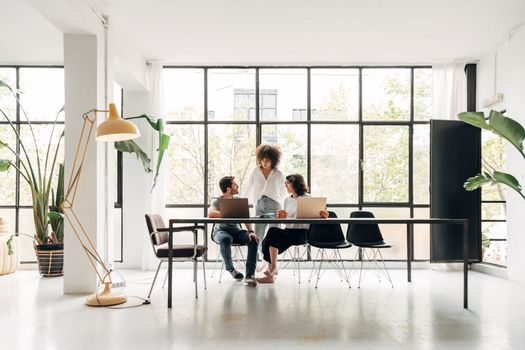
(309, 207)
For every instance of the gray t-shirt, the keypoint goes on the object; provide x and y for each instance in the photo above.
(215, 206)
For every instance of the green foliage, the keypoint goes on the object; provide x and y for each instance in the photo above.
(131, 147)
(485, 241)
(56, 211)
(35, 172)
(505, 127)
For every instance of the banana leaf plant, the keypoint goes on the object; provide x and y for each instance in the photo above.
(130, 146)
(505, 127)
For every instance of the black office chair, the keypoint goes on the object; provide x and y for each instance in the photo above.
(158, 233)
(328, 237)
(367, 236)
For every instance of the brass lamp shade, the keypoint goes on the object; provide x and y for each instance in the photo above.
(115, 128)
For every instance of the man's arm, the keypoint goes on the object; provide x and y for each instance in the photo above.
(214, 214)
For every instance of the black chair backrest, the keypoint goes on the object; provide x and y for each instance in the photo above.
(324, 233)
(363, 233)
(154, 222)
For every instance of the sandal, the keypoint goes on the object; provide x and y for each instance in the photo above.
(266, 279)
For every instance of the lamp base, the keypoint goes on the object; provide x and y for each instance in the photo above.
(106, 298)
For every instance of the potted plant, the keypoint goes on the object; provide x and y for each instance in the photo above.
(505, 127)
(38, 172)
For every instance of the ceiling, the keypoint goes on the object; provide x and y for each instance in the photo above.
(314, 31)
(273, 32)
(27, 37)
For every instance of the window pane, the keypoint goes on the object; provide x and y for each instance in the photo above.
(422, 94)
(184, 91)
(42, 134)
(26, 226)
(292, 140)
(496, 230)
(231, 152)
(395, 234)
(117, 225)
(386, 94)
(421, 164)
(335, 162)
(496, 253)
(493, 211)
(422, 235)
(185, 164)
(229, 94)
(43, 93)
(335, 94)
(7, 100)
(494, 152)
(287, 88)
(385, 169)
(7, 179)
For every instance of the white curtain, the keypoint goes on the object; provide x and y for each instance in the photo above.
(449, 90)
(157, 197)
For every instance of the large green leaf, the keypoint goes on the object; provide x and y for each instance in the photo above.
(4, 164)
(507, 128)
(131, 146)
(473, 183)
(474, 118)
(508, 180)
(164, 141)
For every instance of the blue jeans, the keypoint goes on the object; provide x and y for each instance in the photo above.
(226, 237)
(265, 205)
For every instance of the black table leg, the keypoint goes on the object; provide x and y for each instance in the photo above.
(170, 264)
(465, 264)
(410, 239)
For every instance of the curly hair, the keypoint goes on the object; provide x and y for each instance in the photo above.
(273, 153)
(299, 185)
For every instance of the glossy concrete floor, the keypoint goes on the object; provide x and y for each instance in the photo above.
(427, 314)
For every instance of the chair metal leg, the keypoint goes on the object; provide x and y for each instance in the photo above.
(154, 279)
(360, 272)
(204, 271)
(320, 267)
(215, 265)
(344, 269)
(313, 266)
(195, 267)
(386, 270)
(298, 258)
(220, 274)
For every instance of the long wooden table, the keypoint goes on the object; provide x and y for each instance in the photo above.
(409, 222)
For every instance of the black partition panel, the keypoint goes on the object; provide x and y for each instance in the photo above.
(455, 155)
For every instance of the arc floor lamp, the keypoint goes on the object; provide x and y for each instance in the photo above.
(111, 130)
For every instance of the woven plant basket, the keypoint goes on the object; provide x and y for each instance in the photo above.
(50, 259)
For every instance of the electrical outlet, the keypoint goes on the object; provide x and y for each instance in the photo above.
(120, 284)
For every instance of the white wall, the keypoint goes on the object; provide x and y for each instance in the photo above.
(503, 70)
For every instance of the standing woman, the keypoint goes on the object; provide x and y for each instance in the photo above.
(278, 240)
(265, 188)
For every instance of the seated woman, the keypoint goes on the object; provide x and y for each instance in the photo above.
(277, 240)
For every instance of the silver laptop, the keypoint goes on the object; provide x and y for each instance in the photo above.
(234, 207)
(309, 207)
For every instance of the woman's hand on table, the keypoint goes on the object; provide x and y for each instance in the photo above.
(324, 214)
(281, 214)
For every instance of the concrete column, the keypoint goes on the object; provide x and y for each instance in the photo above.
(84, 90)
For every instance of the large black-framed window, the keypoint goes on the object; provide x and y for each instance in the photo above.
(493, 203)
(42, 96)
(359, 134)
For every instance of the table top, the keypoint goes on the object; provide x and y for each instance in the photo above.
(257, 220)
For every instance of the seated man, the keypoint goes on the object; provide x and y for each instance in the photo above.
(226, 234)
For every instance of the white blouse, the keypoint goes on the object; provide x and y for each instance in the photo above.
(290, 205)
(259, 186)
